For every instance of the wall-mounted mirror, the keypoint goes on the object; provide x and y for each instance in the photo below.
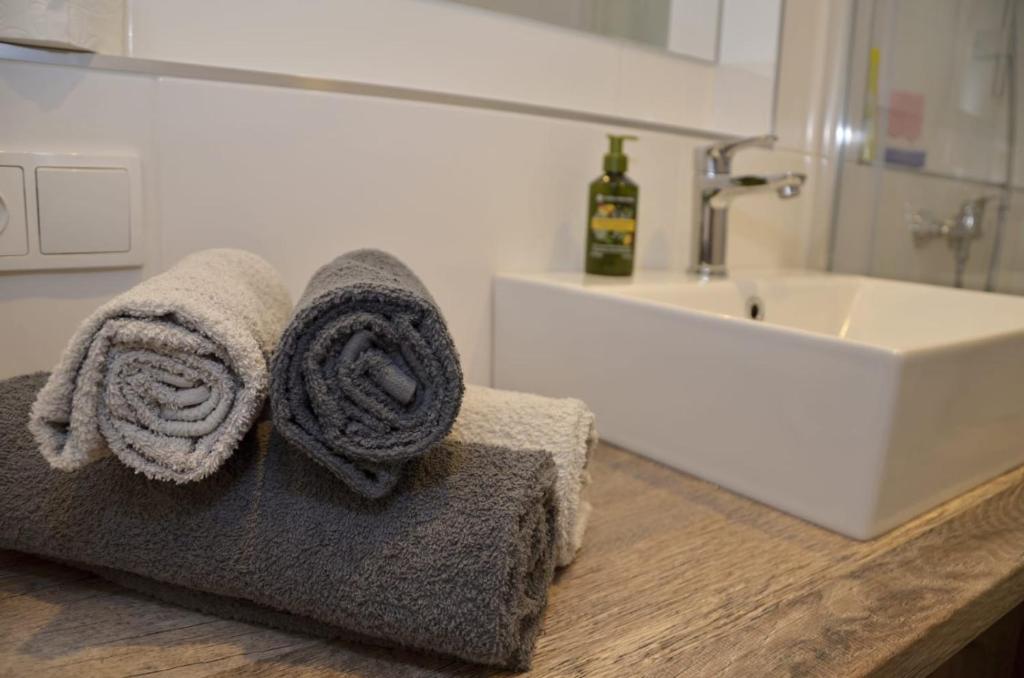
(687, 27)
(724, 83)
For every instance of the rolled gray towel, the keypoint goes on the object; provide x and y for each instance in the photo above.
(169, 375)
(366, 376)
(457, 561)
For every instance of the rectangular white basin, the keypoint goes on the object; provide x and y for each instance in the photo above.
(855, 403)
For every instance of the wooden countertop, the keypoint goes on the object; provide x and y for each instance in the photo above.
(677, 577)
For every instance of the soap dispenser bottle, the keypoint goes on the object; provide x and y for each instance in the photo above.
(611, 215)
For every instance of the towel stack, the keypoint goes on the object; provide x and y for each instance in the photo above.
(384, 501)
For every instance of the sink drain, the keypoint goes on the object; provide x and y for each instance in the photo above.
(755, 308)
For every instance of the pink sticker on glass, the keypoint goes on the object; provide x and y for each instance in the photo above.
(906, 114)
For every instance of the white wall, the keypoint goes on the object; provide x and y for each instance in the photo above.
(872, 236)
(76, 110)
(299, 176)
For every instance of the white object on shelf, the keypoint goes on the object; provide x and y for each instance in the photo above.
(855, 403)
(82, 25)
(80, 211)
(13, 224)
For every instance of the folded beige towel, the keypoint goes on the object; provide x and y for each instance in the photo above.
(562, 427)
(169, 375)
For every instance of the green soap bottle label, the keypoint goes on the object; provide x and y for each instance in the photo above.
(612, 230)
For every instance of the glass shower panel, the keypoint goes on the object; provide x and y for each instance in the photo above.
(923, 190)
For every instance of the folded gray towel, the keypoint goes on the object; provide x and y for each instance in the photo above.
(366, 376)
(563, 427)
(457, 561)
(169, 375)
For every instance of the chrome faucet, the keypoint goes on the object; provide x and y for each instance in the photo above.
(714, 188)
(958, 231)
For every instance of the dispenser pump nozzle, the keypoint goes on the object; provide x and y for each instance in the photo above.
(615, 160)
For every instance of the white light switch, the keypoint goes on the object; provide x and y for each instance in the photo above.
(13, 224)
(83, 210)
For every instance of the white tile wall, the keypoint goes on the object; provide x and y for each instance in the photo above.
(873, 236)
(458, 193)
(1010, 271)
(299, 176)
(58, 110)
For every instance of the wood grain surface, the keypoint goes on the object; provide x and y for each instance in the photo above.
(677, 578)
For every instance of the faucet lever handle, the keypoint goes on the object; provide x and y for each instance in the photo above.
(970, 216)
(719, 156)
(964, 225)
(975, 207)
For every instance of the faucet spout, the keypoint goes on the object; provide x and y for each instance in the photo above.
(714, 189)
(786, 185)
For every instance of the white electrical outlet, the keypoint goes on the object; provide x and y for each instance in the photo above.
(70, 211)
(13, 223)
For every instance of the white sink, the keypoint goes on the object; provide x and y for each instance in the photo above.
(855, 403)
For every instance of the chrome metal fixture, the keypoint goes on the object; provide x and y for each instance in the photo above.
(958, 231)
(715, 187)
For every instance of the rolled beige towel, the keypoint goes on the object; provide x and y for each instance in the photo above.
(170, 375)
(562, 427)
